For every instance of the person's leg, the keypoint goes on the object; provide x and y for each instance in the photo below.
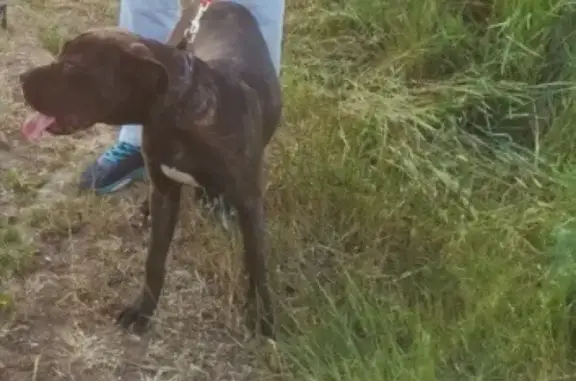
(122, 163)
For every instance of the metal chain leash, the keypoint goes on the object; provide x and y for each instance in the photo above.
(191, 32)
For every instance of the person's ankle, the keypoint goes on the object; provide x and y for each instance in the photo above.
(120, 165)
(117, 152)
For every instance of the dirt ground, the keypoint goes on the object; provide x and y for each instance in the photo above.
(78, 258)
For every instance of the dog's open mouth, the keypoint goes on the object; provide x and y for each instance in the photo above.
(36, 124)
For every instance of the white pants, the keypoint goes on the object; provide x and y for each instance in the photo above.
(156, 19)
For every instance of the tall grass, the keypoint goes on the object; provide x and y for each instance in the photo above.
(427, 190)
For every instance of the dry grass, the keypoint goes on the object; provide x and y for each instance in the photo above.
(67, 261)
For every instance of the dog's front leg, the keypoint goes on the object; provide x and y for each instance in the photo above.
(252, 225)
(164, 206)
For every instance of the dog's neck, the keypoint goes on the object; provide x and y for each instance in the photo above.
(190, 83)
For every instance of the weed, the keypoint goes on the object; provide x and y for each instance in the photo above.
(15, 252)
(51, 38)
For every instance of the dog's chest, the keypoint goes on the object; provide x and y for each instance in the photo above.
(171, 160)
(179, 158)
(177, 175)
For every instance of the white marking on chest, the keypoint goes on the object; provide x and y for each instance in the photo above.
(176, 175)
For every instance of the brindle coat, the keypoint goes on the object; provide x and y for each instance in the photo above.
(207, 113)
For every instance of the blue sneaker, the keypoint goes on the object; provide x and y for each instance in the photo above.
(119, 166)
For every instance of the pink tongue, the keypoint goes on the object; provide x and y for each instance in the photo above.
(35, 125)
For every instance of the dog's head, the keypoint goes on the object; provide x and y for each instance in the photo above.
(103, 76)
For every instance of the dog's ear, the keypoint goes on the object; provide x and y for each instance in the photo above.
(146, 70)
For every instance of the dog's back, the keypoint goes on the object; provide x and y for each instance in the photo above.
(229, 40)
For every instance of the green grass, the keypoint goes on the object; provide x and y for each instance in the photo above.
(51, 38)
(15, 253)
(428, 190)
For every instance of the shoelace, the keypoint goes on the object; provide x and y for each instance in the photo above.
(119, 152)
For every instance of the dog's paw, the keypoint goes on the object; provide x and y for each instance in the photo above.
(132, 317)
(256, 322)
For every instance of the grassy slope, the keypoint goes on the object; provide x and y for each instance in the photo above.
(428, 248)
(404, 246)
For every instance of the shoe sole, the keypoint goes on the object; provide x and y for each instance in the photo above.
(137, 175)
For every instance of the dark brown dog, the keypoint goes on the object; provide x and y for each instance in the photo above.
(207, 115)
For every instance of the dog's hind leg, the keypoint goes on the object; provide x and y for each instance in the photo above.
(164, 207)
(252, 224)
